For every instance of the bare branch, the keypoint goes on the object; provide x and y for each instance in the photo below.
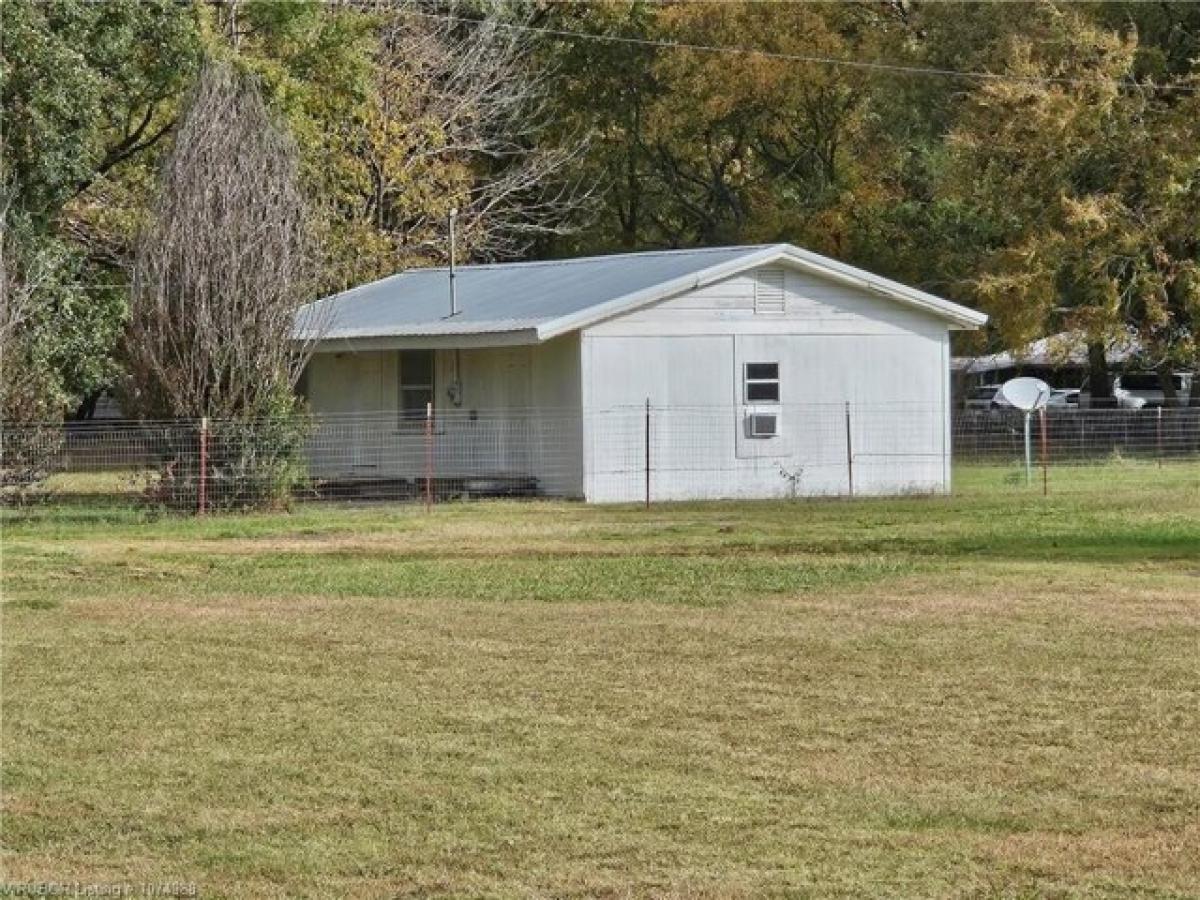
(459, 122)
(225, 264)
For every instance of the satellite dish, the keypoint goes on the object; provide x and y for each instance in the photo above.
(1026, 394)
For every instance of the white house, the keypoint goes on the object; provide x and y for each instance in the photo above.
(768, 371)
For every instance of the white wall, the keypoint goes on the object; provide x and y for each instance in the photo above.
(521, 405)
(519, 415)
(556, 398)
(834, 345)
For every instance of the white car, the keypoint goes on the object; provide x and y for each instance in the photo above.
(1064, 398)
(1123, 399)
(1147, 387)
(1128, 400)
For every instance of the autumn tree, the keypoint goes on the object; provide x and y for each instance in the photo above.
(703, 146)
(455, 118)
(1060, 203)
(1083, 173)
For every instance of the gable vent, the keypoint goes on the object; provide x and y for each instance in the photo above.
(768, 291)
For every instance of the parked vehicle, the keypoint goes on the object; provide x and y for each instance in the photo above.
(986, 396)
(1136, 390)
(1126, 399)
(1148, 387)
(1064, 398)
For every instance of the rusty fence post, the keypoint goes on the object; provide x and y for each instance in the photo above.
(428, 456)
(1160, 437)
(647, 454)
(1044, 440)
(202, 482)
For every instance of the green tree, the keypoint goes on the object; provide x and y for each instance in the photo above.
(698, 146)
(86, 87)
(87, 90)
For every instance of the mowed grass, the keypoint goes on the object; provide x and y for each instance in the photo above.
(992, 694)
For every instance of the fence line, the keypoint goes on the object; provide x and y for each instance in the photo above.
(636, 453)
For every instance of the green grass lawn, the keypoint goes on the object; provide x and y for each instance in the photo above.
(996, 693)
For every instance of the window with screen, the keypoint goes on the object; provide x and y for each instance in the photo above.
(416, 384)
(762, 382)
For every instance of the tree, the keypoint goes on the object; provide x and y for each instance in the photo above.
(57, 330)
(31, 395)
(87, 86)
(220, 272)
(701, 146)
(456, 118)
(1084, 179)
(605, 88)
(1052, 204)
(87, 92)
(224, 264)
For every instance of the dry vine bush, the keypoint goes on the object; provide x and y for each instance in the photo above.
(219, 275)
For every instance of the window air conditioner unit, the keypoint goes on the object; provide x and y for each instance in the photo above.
(762, 424)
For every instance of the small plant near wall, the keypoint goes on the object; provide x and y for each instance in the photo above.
(245, 464)
(792, 477)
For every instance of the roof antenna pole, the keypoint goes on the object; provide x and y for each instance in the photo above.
(453, 290)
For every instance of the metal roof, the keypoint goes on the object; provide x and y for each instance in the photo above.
(545, 299)
(1067, 348)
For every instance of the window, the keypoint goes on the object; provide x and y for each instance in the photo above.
(762, 382)
(302, 384)
(416, 384)
(768, 291)
(1149, 381)
(1141, 381)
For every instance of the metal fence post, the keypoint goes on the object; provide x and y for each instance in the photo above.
(1159, 440)
(647, 459)
(849, 453)
(202, 483)
(1044, 440)
(428, 456)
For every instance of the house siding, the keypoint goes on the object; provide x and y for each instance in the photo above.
(519, 415)
(571, 410)
(835, 345)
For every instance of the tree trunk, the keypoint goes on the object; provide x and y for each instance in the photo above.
(87, 407)
(632, 224)
(1166, 379)
(1098, 377)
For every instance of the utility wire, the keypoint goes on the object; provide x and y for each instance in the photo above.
(892, 68)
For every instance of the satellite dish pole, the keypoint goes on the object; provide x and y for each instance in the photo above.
(453, 290)
(1027, 395)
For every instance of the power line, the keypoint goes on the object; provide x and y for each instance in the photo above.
(866, 65)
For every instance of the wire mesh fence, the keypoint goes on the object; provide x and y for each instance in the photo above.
(1080, 435)
(639, 453)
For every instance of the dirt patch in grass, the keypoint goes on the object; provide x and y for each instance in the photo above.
(1158, 858)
